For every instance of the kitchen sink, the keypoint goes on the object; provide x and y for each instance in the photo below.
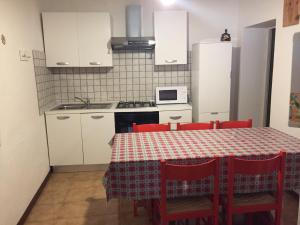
(83, 106)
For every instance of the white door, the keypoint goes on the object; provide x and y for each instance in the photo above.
(94, 34)
(214, 77)
(170, 28)
(98, 130)
(60, 37)
(64, 139)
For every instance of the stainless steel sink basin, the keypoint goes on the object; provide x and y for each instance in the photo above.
(100, 106)
(83, 106)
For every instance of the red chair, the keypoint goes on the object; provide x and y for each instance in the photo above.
(255, 202)
(233, 124)
(147, 128)
(187, 207)
(195, 126)
(151, 127)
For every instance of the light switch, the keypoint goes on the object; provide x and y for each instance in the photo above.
(24, 55)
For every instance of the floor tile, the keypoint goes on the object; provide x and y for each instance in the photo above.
(80, 199)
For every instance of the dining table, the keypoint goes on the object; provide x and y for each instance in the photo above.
(134, 170)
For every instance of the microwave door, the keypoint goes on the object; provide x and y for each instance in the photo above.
(168, 95)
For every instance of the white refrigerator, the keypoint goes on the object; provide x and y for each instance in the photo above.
(211, 72)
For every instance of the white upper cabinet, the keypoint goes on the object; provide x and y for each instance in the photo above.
(60, 37)
(170, 28)
(94, 34)
(77, 39)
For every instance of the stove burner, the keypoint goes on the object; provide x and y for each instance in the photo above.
(135, 104)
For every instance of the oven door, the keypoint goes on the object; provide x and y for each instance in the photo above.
(124, 120)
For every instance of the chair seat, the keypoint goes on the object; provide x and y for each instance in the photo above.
(178, 205)
(253, 199)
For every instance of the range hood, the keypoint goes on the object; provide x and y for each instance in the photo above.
(133, 39)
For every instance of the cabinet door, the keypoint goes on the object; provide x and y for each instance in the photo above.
(94, 34)
(214, 77)
(174, 117)
(170, 28)
(97, 131)
(64, 139)
(60, 37)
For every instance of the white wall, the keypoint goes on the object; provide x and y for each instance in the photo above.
(23, 153)
(257, 11)
(207, 19)
(253, 75)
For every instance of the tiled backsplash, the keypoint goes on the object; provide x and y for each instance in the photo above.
(133, 77)
(44, 82)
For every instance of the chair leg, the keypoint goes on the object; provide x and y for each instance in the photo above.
(135, 213)
(229, 218)
(249, 218)
(277, 217)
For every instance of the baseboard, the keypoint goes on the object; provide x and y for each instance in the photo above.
(79, 168)
(33, 201)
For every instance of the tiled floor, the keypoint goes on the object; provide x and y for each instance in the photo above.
(79, 199)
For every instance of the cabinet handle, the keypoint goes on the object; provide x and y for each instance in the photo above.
(175, 117)
(63, 117)
(62, 63)
(95, 63)
(214, 113)
(171, 61)
(97, 117)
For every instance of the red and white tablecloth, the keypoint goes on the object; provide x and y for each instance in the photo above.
(134, 169)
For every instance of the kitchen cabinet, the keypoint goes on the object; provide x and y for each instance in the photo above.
(77, 39)
(211, 80)
(175, 116)
(64, 139)
(97, 131)
(206, 117)
(94, 34)
(77, 139)
(60, 38)
(170, 28)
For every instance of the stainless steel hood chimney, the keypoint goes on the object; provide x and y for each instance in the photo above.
(133, 39)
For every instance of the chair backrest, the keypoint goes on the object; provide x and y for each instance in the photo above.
(256, 167)
(195, 126)
(151, 127)
(233, 124)
(194, 172)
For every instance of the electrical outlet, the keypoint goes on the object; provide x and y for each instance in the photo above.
(24, 55)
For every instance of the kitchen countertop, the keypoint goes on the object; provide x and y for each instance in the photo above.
(169, 107)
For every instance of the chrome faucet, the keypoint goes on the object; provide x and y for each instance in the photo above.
(87, 102)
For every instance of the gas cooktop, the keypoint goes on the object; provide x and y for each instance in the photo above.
(136, 104)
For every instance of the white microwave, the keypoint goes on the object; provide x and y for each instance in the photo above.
(171, 95)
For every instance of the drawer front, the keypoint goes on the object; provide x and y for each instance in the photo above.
(206, 117)
(174, 117)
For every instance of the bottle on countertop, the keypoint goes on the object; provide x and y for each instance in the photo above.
(226, 36)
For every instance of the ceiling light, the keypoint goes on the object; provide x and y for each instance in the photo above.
(167, 2)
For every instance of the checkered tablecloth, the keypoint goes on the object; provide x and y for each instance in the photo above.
(134, 169)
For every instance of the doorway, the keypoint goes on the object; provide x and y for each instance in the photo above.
(256, 73)
(270, 78)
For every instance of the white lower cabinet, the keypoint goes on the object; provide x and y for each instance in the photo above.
(174, 117)
(97, 131)
(206, 117)
(77, 139)
(64, 139)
